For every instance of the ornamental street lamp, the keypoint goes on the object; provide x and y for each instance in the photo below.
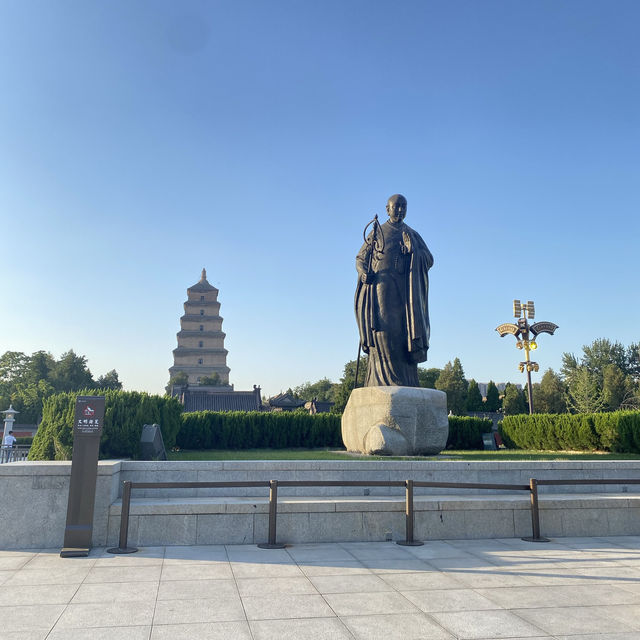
(9, 419)
(526, 335)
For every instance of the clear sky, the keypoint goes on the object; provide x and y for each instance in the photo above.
(143, 140)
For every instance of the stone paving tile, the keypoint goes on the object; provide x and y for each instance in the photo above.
(41, 594)
(588, 589)
(275, 586)
(6, 553)
(34, 634)
(354, 604)
(124, 574)
(106, 614)
(411, 626)
(484, 544)
(195, 554)
(421, 581)
(551, 577)
(529, 597)
(29, 617)
(116, 592)
(299, 629)
(595, 594)
(389, 552)
(5, 575)
(102, 633)
(627, 614)
(450, 600)
(349, 584)
(435, 549)
(627, 583)
(374, 550)
(333, 568)
(468, 625)
(568, 620)
(398, 566)
(11, 563)
(219, 609)
(202, 631)
(53, 562)
(285, 606)
(66, 575)
(600, 636)
(147, 557)
(462, 562)
(200, 571)
(195, 589)
(488, 578)
(261, 556)
(319, 552)
(263, 570)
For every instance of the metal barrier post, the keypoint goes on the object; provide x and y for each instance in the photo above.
(535, 514)
(124, 521)
(273, 514)
(409, 519)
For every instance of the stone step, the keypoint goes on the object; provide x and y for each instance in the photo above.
(307, 519)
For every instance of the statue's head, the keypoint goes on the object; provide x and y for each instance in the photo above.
(397, 208)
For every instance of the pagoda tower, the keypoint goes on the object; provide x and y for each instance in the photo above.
(201, 349)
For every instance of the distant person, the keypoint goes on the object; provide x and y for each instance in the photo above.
(7, 446)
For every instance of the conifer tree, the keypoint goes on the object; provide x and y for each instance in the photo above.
(513, 402)
(453, 383)
(493, 397)
(474, 397)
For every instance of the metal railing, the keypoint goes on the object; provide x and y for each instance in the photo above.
(409, 486)
(17, 453)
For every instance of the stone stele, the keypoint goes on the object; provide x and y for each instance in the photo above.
(397, 421)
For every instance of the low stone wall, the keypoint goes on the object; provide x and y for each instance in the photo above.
(33, 509)
(34, 504)
(200, 521)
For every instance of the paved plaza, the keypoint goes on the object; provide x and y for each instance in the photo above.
(577, 588)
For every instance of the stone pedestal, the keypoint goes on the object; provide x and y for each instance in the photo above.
(398, 421)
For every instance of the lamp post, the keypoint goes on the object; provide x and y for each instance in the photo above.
(9, 419)
(526, 335)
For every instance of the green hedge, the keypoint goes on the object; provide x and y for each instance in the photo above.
(24, 440)
(125, 414)
(279, 430)
(617, 431)
(466, 433)
(258, 430)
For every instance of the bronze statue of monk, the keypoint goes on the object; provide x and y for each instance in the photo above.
(391, 299)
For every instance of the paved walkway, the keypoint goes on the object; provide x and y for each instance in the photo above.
(571, 588)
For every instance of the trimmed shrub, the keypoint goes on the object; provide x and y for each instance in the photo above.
(125, 414)
(280, 430)
(258, 430)
(466, 433)
(617, 431)
(24, 440)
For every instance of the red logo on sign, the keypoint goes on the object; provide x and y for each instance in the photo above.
(88, 411)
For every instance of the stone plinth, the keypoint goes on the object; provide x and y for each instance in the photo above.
(396, 421)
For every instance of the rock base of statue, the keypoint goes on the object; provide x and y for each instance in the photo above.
(395, 421)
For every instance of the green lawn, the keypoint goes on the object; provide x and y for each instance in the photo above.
(325, 454)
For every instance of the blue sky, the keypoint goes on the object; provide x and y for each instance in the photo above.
(141, 141)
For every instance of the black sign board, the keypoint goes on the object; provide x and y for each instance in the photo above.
(87, 428)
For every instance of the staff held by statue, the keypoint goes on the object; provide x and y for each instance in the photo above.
(375, 244)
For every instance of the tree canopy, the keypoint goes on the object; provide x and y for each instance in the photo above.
(25, 381)
(604, 378)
